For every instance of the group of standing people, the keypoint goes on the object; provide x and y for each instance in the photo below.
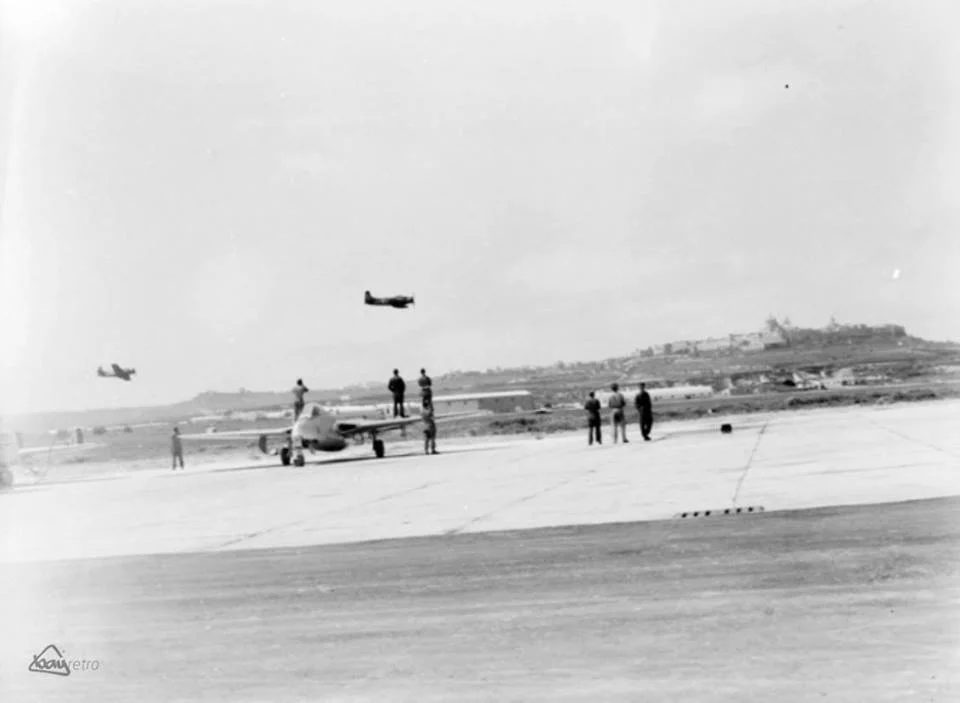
(618, 404)
(398, 387)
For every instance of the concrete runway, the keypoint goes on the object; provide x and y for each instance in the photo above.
(239, 602)
(777, 461)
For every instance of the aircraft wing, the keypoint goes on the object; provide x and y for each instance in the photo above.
(56, 448)
(237, 434)
(352, 427)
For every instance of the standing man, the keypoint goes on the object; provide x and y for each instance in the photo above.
(426, 388)
(176, 448)
(298, 392)
(397, 387)
(592, 406)
(645, 408)
(618, 403)
(429, 430)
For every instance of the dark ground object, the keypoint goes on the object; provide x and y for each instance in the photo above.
(748, 510)
(726, 428)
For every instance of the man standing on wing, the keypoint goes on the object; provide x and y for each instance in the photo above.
(397, 387)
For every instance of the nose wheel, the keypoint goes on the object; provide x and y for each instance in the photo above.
(285, 456)
(378, 449)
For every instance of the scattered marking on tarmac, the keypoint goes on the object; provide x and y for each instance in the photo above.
(405, 491)
(722, 512)
(513, 503)
(911, 439)
(252, 535)
(753, 453)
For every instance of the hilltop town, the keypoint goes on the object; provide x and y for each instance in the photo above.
(778, 355)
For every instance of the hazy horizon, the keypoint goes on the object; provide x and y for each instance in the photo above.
(203, 191)
(361, 382)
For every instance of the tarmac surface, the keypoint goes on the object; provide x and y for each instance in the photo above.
(258, 583)
(777, 461)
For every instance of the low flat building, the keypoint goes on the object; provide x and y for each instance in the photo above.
(667, 393)
(497, 402)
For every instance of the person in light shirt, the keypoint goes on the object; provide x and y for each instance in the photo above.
(618, 404)
(429, 430)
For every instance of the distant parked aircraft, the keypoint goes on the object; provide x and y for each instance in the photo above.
(396, 301)
(118, 372)
(13, 453)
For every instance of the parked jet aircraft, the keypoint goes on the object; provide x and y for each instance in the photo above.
(318, 430)
(118, 372)
(8, 459)
(396, 301)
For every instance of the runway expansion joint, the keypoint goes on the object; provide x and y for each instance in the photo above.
(722, 512)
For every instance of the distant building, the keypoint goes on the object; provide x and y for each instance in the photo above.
(712, 345)
(497, 402)
(753, 341)
(662, 393)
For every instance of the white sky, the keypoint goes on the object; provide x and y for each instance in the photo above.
(204, 189)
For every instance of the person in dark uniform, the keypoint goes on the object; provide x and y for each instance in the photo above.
(299, 391)
(618, 404)
(645, 409)
(426, 388)
(429, 430)
(397, 387)
(176, 448)
(592, 406)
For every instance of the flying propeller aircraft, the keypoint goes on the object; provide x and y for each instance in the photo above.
(318, 430)
(118, 372)
(395, 301)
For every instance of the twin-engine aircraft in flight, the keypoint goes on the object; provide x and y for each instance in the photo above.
(118, 372)
(318, 430)
(395, 301)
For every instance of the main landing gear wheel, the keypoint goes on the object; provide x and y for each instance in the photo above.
(299, 460)
(285, 456)
(378, 448)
